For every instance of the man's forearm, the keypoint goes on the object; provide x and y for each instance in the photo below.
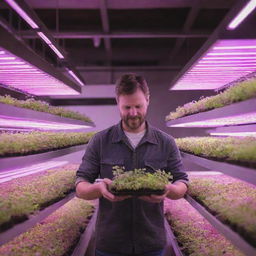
(176, 190)
(88, 191)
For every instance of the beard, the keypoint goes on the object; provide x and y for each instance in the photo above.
(134, 122)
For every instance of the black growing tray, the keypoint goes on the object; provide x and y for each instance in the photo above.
(139, 192)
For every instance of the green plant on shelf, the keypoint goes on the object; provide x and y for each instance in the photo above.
(42, 106)
(139, 179)
(238, 92)
(227, 149)
(38, 142)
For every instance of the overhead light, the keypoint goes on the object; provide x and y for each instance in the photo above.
(22, 13)
(20, 74)
(14, 122)
(48, 41)
(246, 118)
(226, 61)
(75, 77)
(21, 172)
(250, 6)
(235, 134)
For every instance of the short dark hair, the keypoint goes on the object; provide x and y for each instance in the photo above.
(129, 83)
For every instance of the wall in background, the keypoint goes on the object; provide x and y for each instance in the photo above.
(162, 101)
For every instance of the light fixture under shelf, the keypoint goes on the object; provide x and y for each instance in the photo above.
(20, 74)
(226, 61)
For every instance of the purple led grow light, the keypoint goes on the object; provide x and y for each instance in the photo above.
(247, 118)
(250, 6)
(236, 134)
(20, 74)
(226, 61)
(22, 13)
(13, 122)
(21, 172)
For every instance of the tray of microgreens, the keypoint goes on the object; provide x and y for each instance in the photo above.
(138, 182)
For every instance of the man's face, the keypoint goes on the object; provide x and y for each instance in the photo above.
(133, 109)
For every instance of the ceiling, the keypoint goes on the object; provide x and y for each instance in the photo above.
(109, 34)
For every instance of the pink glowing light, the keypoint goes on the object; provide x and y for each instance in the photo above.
(22, 75)
(226, 61)
(247, 118)
(236, 134)
(21, 172)
(48, 41)
(76, 77)
(22, 13)
(249, 7)
(11, 122)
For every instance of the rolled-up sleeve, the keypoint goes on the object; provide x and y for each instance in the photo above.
(90, 167)
(175, 165)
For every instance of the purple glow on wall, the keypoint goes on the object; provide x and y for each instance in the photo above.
(24, 76)
(12, 122)
(226, 61)
(247, 118)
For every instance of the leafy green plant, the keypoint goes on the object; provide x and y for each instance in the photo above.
(238, 92)
(195, 235)
(138, 180)
(23, 196)
(56, 235)
(43, 106)
(231, 200)
(34, 142)
(241, 150)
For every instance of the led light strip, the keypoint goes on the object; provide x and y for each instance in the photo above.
(242, 15)
(226, 61)
(11, 122)
(20, 74)
(17, 173)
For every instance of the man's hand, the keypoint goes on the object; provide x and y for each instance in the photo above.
(106, 194)
(172, 191)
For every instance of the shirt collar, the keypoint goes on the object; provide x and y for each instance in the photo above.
(119, 134)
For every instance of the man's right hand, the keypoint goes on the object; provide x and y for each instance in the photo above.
(106, 194)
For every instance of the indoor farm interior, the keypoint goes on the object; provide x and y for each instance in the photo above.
(59, 63)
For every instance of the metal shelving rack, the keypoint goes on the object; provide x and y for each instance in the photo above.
(236, 109)
(232, 236)
(32, 115)
(236, 171)
(240, 172)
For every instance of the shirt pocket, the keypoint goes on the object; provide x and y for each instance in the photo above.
(106, 167)
(153, 165)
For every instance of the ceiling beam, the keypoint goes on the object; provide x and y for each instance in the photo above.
(186, 28)
(124, 4)
(91, 35)
(105, 25)
(125, 68)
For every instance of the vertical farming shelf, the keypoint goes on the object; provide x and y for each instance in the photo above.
(237, 240)
(240, 172)
(238, 119)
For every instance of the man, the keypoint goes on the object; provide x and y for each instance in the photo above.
(128, 225)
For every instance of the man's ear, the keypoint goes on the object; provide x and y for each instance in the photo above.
(147, 98)
(117, 99)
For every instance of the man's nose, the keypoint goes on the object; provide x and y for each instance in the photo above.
(133, 112)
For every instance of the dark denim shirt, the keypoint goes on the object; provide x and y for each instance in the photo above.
(132, 225)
